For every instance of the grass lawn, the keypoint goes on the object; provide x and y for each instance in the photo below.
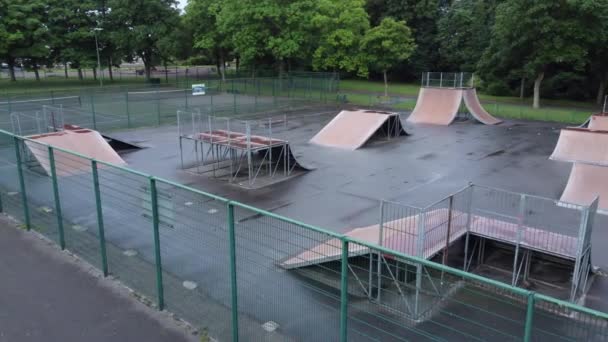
(363, 92)
(31, 86)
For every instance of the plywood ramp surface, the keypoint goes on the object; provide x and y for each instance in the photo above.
(598, 122)
(350, 129)
(585, 183)
(581, 145)
(471, 100)
(437, 106)
(82, 141)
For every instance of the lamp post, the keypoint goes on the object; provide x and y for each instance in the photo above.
(98, 59)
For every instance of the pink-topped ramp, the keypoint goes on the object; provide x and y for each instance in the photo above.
(582, 145)
(352, 129)
(598, 122)
(587, 182)
(436, 106)
(471, 100)
(86, 142)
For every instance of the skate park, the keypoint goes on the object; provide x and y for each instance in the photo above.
(341, 190)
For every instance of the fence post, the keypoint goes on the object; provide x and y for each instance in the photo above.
(529, 317)
(26, 209)
(93, 110)
(127, 107)
(157, 256)
(56, 196)
(233, 279)
(158, 104)
(100, 226)
(234, 103)
(186, 98)
(344, 292)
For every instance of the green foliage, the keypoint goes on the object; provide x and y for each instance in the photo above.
(146, 23)
(541, 36)
(387, 44)
(463, 33)
(340, 26)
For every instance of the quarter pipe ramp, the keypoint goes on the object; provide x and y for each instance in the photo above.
(82, 141)
(439, 106)
(352, 129)
(471, 100)
(581, 145)
(587, 182)
(436, 106)
(598, 122)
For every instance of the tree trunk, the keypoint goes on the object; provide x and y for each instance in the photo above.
(95, 73)
(222, 66)
(65, 69)
(521, 88)
(601, 90)
(80, 77)
(110, 69)
(166, 71)
(385, 84)
(537, 82)
(36, 73)
(11, 68)
(148, 70)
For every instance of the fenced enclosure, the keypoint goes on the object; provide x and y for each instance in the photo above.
(217, 263)
(448, 79)
(532, 226)
(130, 107)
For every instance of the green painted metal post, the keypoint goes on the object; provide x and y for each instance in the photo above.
(26, 209)
(158, 105)
(529, 317)
(186, 98)
(100, 226)
(57, 198)
(344, 293)
(157, 255)
(127, 108)
(233, 280)
(93, 111)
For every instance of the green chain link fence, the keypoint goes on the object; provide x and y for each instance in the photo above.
(154, 105)
(220, 264)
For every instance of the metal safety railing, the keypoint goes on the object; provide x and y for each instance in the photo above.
(218, 263)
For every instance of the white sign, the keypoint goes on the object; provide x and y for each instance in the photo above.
(198, 89)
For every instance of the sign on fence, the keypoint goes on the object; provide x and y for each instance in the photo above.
(198, 89)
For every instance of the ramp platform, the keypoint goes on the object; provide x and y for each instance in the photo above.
(534, 228)
(471, 100)
(582, 145)
(596, 122)
(586, 182)
(440, 98)
(436, 106)
(83, 141)
(352, 129)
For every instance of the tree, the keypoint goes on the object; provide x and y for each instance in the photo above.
(144, 24)
(339, 27)
(464, 33)
(422, 17)
(201, 19)
(387, 45)
(543, 36)
(22, 31)
(273, 29)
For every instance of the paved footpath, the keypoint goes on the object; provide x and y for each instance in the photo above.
(47, 295)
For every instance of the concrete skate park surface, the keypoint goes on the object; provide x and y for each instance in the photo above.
(344, 189)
